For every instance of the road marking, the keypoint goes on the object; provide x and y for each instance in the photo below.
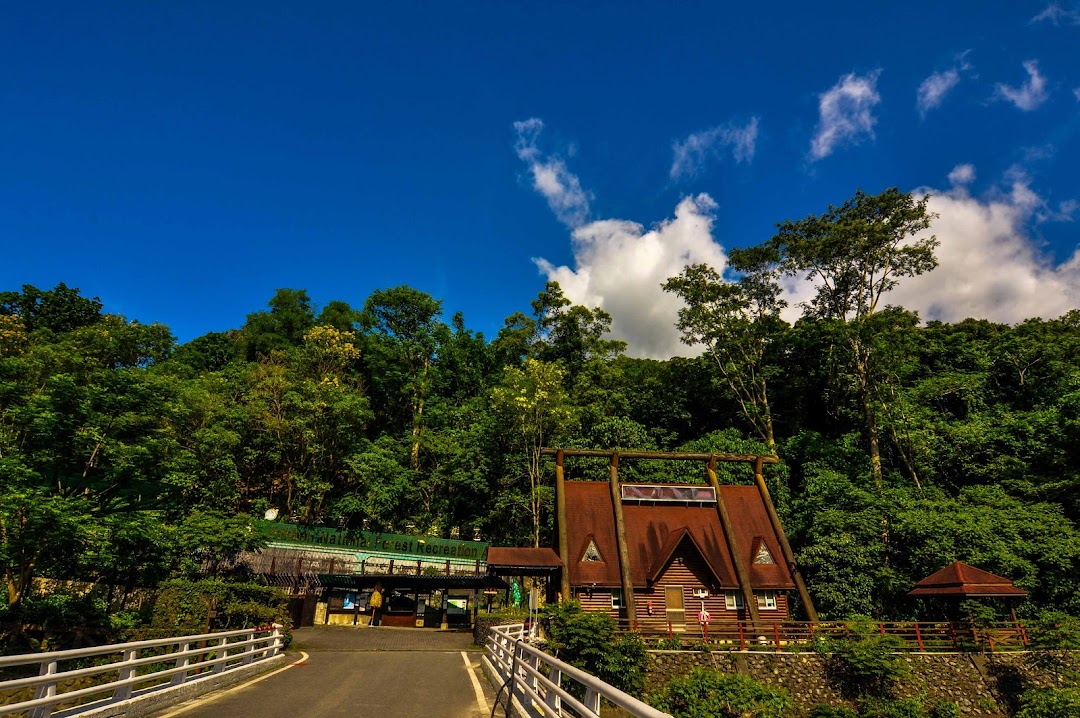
(480, 699)
(214, 696)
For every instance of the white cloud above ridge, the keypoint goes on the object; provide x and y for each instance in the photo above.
(1057, 15)
(845, 113)
(551, 178)
(990, 265)
(962, 174)
(1029, 95)
(933, 90)
(691, 153)
(619, 265)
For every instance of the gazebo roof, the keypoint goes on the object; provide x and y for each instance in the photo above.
(959, 579)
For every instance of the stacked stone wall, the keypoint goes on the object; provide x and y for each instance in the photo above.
(981, 684)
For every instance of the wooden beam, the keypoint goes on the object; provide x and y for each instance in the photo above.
(785, 547)
(560, 519)
(742, 574)
(666, 455)
(620, 535)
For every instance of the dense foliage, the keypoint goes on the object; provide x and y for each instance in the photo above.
(590, 641)
(126, 459)
(711, 694)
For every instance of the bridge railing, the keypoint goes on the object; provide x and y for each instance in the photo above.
(92, 677)
(540, 684)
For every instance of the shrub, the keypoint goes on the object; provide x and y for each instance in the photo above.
(1050, 703)
(182, 606)
(590, 642)
(711, 694)
(863, 662)
(944, 709)
(889, 708)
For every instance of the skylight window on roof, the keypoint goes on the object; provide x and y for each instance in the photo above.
(668, 492)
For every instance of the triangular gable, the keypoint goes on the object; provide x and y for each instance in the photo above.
(674, 540)
(760, 552)
(590, 553)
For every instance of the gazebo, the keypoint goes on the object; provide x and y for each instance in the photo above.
(960, 581)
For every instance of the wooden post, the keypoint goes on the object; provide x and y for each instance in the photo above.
(918, 637)
(620, 535)
(742, 574)
(560, 521)
(785, 547)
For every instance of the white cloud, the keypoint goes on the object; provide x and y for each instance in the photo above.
(845, 113)
(1077, 93)
(1029, 95)
(691, 153)
(932, 90)
(619, 266)
(551, 178)
(1058, 15)
(989, 265)
(962, 175)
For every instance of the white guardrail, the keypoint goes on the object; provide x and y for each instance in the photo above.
(133, 664)
(540, 681)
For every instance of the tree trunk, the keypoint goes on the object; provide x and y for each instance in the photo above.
(418, 415)
(862, 372)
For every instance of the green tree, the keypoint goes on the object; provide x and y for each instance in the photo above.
(403, 324)
(854, 255)
(738, 323)
(534, 405)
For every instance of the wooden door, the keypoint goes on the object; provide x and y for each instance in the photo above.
(676, 611)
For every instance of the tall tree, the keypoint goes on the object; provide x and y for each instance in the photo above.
(854, 255)
(404, 323)
(535, 406)
(738, 323)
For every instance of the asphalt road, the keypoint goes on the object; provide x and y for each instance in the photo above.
(359, 672)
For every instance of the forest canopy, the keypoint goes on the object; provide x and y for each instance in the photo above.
(127, 459)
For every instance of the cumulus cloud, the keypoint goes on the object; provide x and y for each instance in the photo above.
(1058, 15)
(962, 175)
(550, 176)
(989, 265)
(1028, 96)
(691, 153)
(845, 113)
(933, 90)
(619, 265)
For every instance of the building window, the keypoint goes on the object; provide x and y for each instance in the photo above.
(617, 598)
(592, 554)
(766, 600)
(733, 600)
(763, 557)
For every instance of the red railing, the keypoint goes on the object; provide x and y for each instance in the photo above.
(920, 636)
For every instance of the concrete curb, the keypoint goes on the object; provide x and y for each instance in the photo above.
(157, 699)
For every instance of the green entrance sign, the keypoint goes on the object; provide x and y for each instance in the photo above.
(422, 547)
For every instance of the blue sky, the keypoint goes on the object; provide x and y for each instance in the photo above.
(184, 160)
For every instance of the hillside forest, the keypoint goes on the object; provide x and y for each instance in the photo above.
(127, 458)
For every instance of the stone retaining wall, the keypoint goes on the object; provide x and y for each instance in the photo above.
(981, 684)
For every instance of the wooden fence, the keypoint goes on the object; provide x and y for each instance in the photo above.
(921, 636)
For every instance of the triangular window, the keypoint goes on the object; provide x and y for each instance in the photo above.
(592, 554)
(763, 556)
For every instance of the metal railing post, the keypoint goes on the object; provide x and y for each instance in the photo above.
(179, 678)
(554, 700)
(249, 650)
(122, 693)
(47, 690)
(223, 653)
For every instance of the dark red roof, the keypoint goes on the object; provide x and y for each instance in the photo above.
(523, 557)
(959, 579)
(653, 532)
